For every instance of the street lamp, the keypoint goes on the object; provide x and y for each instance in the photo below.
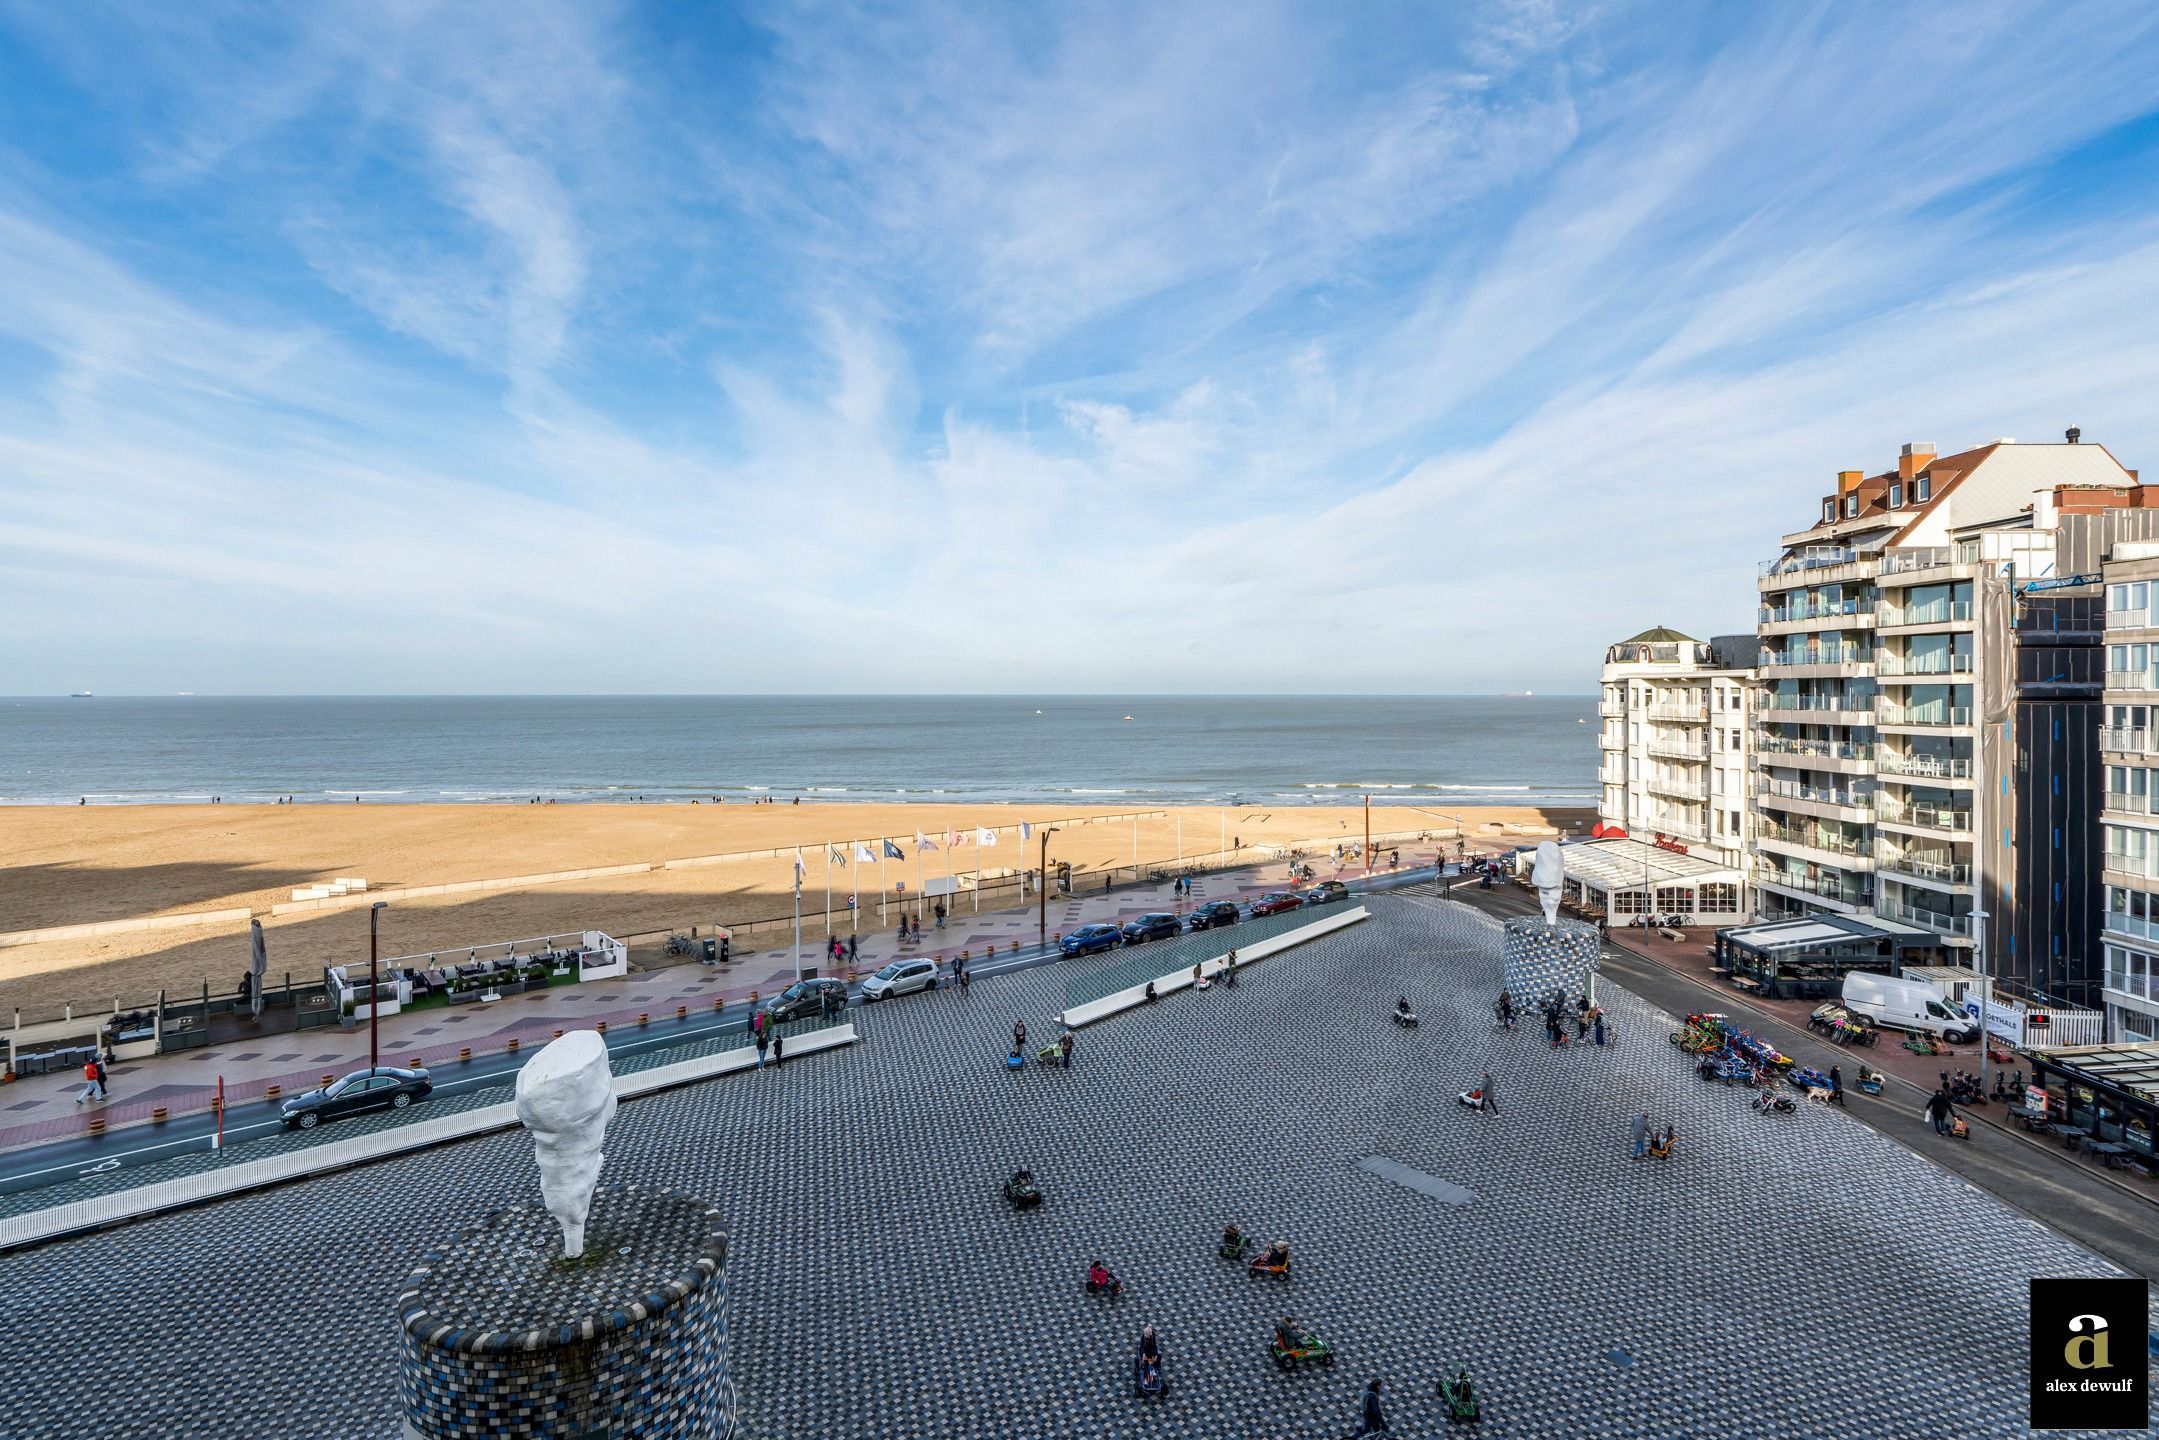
(374, 989)
(1986, 994)
(1042, 889)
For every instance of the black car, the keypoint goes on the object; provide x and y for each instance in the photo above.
(825, 995)
(1155, 926)
(382, 1088)
(1326, 892)
(1212, 914)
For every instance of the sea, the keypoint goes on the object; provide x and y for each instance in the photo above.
(1140, 750)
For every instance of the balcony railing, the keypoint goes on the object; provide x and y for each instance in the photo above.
(1944, 612)
(2122, 924)
(1611, 709)
(1927, 867)
(1818, 610)
(1828, 887)
(2137, 619)
(1932, 817)
(1928, 557)
(1678, 712)
(1940, 922)
(1924, 664)
(1612, 777)
(1912, 715)
(1816, 749)
(1818, 655)
(2135, 741)
(1816, 702)
(1678, 750)
(2131, 680)
(1772, 789)
(1813, 840)
(1924, 767)
(1815, 557)
(1678, 785)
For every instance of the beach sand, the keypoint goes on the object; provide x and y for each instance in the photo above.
(61, 866)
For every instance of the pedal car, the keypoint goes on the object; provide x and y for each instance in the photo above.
(1234, 1243)
(1101, 1282)
(1870, 1082)
(1015, 1061)
(1293, 1345)
(1460, 1398)
(1274, 1260)
(1958, 1130)
(1021, 1191)
(1808, 1078)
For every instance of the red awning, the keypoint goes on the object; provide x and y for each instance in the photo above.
(1608, 832)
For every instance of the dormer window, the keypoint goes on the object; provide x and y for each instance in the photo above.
(1829, 511)
(1922, 487)
(1851, 506)
(1896, 494)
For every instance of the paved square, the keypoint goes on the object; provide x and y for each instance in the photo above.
(1785, 1276)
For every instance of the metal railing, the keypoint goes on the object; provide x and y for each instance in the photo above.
(1814, 557)
(1892, 811)
(1815, 840)
(1924, 767)
(1944, 612)
(1818, 610)
(1817, 655)
(1816, 703)
(1678, 785)
(1678, 750)
(2128, 804)
(1815, 749)
(1926, 867)
(1940, 922)
(1924, 664)
(1678, 712)
(1611, 709)
(1771, 788)
(1928, 557)
(1933, 715)
(1842, 891)
(2133, 740)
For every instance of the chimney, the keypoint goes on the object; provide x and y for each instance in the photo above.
(1914, 459)
(2074, 434)
(1848, 481)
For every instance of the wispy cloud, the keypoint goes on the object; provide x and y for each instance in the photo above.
(1081, 348)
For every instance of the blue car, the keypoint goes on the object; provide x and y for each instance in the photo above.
(1089, 938)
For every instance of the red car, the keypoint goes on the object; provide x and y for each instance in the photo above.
(1275, 904)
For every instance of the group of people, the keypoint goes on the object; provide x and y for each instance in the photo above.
(1061, 1052)
(1586, 1019)
(1652, 1140)
(842, 952)
(93, 1076)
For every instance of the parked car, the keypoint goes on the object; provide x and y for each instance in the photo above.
(898, 978)
(1275, 903)
(382, 1088)
(822, 996)
(1089, 938)
(1156, 925)
(1326, 892)
(1212, 914)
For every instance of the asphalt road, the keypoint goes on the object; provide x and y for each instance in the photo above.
(2099, 1213)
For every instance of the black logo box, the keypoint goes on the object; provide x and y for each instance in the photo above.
(2090, 1355)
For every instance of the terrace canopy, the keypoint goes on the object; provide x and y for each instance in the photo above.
(1623, 878)
(2109, 1091)
(1808, 957)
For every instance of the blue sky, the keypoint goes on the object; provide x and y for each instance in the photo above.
(538, 347)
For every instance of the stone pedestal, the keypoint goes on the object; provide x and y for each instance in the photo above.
(501, 1337)
(1539, 959)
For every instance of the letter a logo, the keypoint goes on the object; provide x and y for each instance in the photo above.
(2088, 1349)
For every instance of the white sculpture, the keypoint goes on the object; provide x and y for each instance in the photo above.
(565, 1097)
(1548, 875)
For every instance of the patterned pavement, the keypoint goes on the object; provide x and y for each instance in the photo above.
(1782, 1276)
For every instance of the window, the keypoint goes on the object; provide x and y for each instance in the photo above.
(1922, 487)
(1829, 510)
(1896, 494)
(1720, 899)
(1851, 506)
(2129, 596)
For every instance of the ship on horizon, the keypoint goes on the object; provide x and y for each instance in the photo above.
(1517, 694)
(80, 695)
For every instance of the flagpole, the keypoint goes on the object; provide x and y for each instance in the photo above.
(798, 915)
(854, 892)
(883, 889)
(828, 891)
(918, 878)
(978, 870)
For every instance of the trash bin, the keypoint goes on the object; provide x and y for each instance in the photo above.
(712, 951)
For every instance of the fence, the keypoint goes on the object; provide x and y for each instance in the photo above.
(1146, 962)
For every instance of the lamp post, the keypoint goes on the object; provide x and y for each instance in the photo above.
(1986, 993)
(374, 988)
(1042, 890)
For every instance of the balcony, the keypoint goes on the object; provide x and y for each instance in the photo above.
(1948, 717)
(2135, 741)
(2121, 802)
(2137, 619)
(1815, 709)
(1679, 749)
(2130, 926)
(2131, 680)
(1939, 921)
(1918, 558)
(1938, 869)
(1842, 851)
(1835, 891)
(1854, 805)
(1817, 656)
(1857, 750)
(1814, 557)
(1924, 767)
(1611, 710)
(1612, 775)
(1681, 714)
(1678, 787)
(1888, 810)
(1912, 617)
(1943, 663)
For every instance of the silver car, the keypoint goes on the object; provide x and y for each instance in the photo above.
(900, 977)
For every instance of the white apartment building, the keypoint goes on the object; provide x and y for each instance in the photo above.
(1888, 678)
(1675, 712)
(2129, 815)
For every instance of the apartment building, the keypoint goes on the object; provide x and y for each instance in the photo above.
(1891, 682)
(2129, 815)
(1674, 712)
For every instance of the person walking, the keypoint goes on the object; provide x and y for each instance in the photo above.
(1641, 1135)
(966, 978)
(1939, 1109)
(854, 948)
(779, 1043)
(764, 1038)
(1487, 1096)
(90, 1089)
(1064, 1045)
(102, 1092)
(1371, 1419)
(1836, 1084)
(1600, 1027)
(940, 914)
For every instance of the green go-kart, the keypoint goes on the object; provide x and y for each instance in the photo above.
(1460, 1398)
(1309, 1349)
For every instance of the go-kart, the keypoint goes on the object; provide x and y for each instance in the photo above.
(1148, 1380)
(1460, 1398)
(1309, 1347)
(1234, 1246)
(1407, 1019)
(1270, 1262)
(1101, 1282)
(1022, 1192)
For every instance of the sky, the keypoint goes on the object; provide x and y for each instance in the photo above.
(1220, 347)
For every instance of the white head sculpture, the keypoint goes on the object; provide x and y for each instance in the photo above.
(1548, 875)
(565, 1097)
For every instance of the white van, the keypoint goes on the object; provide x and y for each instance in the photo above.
(1904, 1004)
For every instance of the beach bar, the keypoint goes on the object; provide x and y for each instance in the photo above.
(2105, 1097)
(1807, 958)
(1622, 880)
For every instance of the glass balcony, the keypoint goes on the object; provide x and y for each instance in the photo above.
(1924, 767)
(1892, 811)
(1941, 922)
(2130, 741)
(1945, 715)
(1940, 868)
(1932, 663)
(1939, 612)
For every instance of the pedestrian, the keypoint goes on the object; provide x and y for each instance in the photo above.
(1939, 1109)
(854, 947)
(1641, 1135)
(1487, 1096)
(1836, 1084)
(764, 1039)
(1372, 1420)
(940, 914)
(778, 1041)
(89, 1089)
(102, 1092)
(1019, 1037)
(1229, 970)
(966, 978)
(1600, 1027)
(1064, 1044)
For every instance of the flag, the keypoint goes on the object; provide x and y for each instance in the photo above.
(924, 842)
(893, 852)
(1027, 831)
(800, 868)
(835, 854)
(864, 855)
(955, 838)
(985, 836)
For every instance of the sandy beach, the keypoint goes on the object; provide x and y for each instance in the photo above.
(67, 867)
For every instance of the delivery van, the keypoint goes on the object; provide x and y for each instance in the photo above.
(1904, 1004)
